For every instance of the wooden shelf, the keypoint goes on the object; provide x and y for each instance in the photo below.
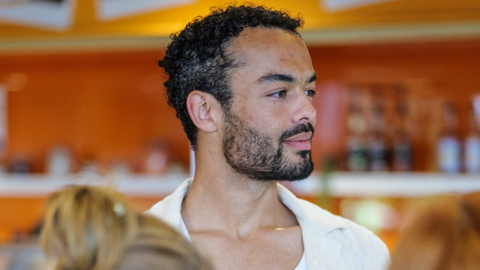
(339, 184)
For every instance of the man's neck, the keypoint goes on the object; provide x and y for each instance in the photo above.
(233, 204)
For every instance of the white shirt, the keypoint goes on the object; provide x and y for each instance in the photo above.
(330, 242)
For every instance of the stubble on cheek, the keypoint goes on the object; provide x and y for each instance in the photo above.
(247, 148)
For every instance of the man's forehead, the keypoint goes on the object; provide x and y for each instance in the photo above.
(268, 55)
(268, 44)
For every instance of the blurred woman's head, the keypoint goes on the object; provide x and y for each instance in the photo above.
(94, 228)
(444, 236)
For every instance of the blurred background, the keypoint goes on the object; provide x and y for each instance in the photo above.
(81, 95)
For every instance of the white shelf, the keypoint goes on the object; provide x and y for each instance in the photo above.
(130, 185)
(339, 184)
(389, 184)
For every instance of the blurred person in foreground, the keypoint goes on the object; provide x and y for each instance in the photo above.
(93, 228)
(242, 82)
(443, 236)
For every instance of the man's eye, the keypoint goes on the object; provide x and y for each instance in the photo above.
(311, 93)
(279, 94)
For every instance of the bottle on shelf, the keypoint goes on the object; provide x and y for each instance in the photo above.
(59, 161)
(402, 145)
(357, 151)
(472, 141)
(378, 146)
(448, 144)
(156, 158)
(20, 165)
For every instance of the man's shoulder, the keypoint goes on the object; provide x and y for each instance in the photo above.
(168, 209)
(322, 231)
(336, 241)
(319, 219)
(335, 225)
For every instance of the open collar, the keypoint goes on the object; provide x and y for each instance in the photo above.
(322, 249)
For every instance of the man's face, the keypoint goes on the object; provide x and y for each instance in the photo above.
(269, 128)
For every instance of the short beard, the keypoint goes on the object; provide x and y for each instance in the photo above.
(254, 154)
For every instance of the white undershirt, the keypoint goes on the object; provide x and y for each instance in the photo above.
(302, 265)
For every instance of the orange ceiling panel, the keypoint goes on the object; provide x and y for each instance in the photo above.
(86, 22)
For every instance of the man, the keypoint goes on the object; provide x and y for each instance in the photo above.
(242, 82)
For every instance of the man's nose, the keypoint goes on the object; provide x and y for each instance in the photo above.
(304, 110)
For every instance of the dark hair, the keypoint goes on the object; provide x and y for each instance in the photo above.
(197, 57)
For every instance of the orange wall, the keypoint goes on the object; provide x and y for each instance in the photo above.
(105, 106)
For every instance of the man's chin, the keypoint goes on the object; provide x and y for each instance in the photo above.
(299, 172)
(299, 177)
(294, 166)
(284, 174)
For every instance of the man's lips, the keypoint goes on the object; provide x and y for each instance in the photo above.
(305, 136)
(301, 141)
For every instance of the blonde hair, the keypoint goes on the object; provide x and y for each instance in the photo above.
(94, 228)
(444, 236)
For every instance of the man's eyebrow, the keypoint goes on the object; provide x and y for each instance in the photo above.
(276, 77)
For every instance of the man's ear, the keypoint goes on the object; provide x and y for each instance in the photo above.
(204, 110)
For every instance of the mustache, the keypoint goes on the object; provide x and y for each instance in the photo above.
(297, 130)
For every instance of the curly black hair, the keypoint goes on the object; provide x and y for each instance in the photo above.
(197, 57)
